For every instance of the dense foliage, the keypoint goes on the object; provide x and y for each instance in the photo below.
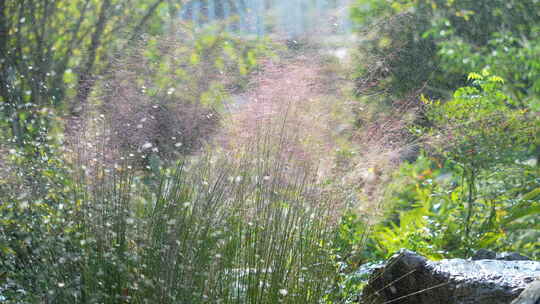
(483, 136)
(469, 72)
(434, 44)
(110, 192)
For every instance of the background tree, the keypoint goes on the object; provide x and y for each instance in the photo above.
(52, 51)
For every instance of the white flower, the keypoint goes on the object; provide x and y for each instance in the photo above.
(283, 292)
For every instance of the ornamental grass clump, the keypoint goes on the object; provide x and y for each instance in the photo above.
(211, 230)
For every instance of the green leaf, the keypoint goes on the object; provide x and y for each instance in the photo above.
(474, 76)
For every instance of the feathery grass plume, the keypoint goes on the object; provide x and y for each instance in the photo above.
(248, 229)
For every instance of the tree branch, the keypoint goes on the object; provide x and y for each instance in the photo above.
(149, 13)
(86, 81)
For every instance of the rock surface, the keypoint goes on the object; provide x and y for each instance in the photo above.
(409, 278)
(531, 295)
(484, 254)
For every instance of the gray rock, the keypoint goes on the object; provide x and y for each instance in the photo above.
(484, 254)
(409, 278)
(511, 256)
(531, 295)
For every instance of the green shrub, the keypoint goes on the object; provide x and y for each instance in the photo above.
(479, 188)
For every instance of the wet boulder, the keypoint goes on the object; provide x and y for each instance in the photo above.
(409, 278)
